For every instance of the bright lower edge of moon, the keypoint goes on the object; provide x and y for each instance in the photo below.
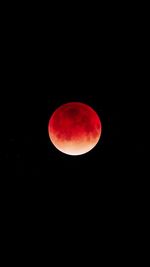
(74, 148)
(80, 122)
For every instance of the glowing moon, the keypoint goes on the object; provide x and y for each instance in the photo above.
(74, 128)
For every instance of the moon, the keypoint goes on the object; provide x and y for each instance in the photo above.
(74, 128)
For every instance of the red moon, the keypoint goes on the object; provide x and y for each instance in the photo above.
(74, 128)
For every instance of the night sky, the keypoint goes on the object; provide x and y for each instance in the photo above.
(51, 63)
(76, 62)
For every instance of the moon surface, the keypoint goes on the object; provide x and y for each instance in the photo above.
(74, 128)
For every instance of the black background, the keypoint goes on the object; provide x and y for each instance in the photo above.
(51, 60)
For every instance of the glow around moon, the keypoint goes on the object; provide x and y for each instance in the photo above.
(74, 128)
